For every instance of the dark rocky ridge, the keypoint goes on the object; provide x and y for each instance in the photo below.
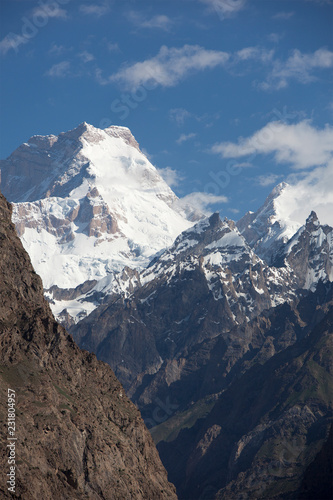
(78, 434)
(318, 478)
(266, 428)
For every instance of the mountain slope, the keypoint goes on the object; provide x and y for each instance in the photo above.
(265, 428)
(203, 285)
(88, 203)
(205, 298)
(79, 437)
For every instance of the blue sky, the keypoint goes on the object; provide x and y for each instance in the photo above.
(227, 97)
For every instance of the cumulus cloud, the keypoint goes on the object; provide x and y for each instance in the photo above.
(170, 66)
(301, 145)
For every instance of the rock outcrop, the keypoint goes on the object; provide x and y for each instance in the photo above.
(78, 435)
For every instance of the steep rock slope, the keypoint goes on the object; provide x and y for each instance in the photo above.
(78, 436)
(267, 427)
(88, 203)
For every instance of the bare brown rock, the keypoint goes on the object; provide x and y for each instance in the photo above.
(78, 435)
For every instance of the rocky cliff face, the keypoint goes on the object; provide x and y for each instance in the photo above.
(78, 435)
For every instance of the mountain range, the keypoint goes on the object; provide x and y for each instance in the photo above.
(219, 331)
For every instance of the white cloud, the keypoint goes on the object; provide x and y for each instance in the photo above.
(299, 67)
(86, 56)
(170, 66)
(310, 191)
(283, 15)
(59, 70)
(201, 201)
(160, 21)
(254, 53)
(12, 42)
(301, 145)
(267, 180)
(179, 115)
(225, 8)
(234, 210)
(94, 9)
(50, 11)
(185, 137)
(170, 175)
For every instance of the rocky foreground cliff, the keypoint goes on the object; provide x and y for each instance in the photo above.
(78, 435)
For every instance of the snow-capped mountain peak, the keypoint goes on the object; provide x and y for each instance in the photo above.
(312, 221)
(56, 165)
(309, 253)
(267, 229)
(87, 203)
